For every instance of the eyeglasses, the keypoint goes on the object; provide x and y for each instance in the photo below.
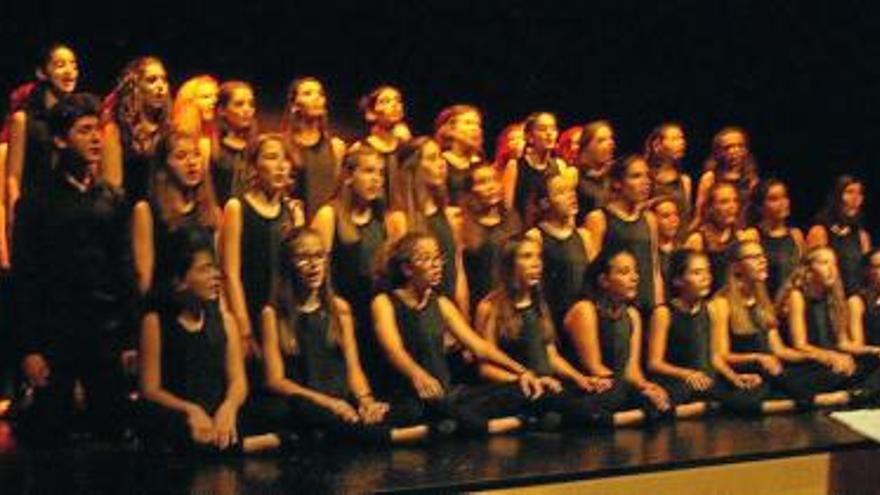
(306, 259)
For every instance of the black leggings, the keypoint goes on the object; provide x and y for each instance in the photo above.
(280, 414)
(731, 398)
(48, 419)
(472, 406)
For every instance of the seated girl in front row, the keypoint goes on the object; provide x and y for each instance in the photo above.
(753, 342)
(311, 356)
(690, 350)
(410, 317)
(516, 316)
(192, 372)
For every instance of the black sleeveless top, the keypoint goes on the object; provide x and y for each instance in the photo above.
(675, 190)
(565, 262)
(351, 266)
(260, 248)
(194, 363)
(229, 172)
(456, 183)
(320, 364)
(38, 161)
(663, 258)
(848, 248)
(137, 168)
(317, 176)
(719, 260)
(782, 259)
(529, 348)
(528, 183)
(820, 332)
(592, 193)
(871, 321)
(635, 237)
(422, 333)
(162, 246)
(438, 225)
(754, 341)
(480, 261)
(615, 335)
(688, 343)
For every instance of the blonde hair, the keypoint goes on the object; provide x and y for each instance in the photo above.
(835, 297)
(736, 288)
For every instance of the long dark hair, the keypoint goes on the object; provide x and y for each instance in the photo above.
(832, 212)
(183, 246)
(343, 199)
(389, 273)
(679, 261)
(125, 106)
(592, 290)
(289, 293)
(506, 321)
(164, 185)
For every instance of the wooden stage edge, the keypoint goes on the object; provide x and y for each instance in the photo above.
(844, 472)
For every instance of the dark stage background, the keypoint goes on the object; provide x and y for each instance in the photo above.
(801, 76)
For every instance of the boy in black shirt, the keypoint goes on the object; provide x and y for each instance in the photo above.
(72, 268)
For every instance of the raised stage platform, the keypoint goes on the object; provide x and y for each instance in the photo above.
(793, 454)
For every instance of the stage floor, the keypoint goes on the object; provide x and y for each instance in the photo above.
(460, 465)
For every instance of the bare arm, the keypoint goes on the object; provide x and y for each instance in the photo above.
(230, 261)
(582, 325)
(273, 363)
(657, 363)
(143, 246)
(15, 157)
(112, 169)
(482, 349)
(395, 225)
(150, 356)
(703, 186)
(508, 183)
(324, 223)
(659, 293)
(486, 324)
(719, 318)
(595, 223)
(388, 333)
(634, 372)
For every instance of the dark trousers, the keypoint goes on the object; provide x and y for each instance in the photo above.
(48, 417)
(731, 398)
(472, 406)
(285, 414)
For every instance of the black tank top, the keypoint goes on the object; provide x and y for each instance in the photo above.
(848, 248)
(528, 183)
(719, 259)
(820, 332)
(162, 247)
(456, 183)
(229, 172)
(194, 363)
(480, 261)
(422, 333)
(615, 335)
(592, 193)
(438, 224)
(782, 257)
(260, 247)
(663, 258)
(755, 340)
(565, 262)
(688, 343)
(635, 237)
(317, 177)
(137, 168)
(37, 167)
(529, 348)
(320, 364)
(352, 266)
